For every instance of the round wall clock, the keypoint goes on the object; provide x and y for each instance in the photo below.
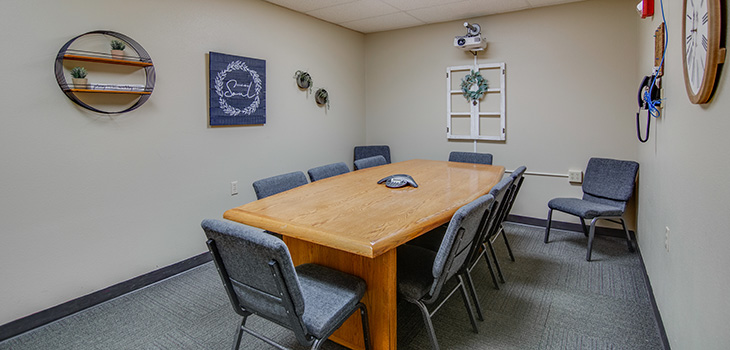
(701, 51)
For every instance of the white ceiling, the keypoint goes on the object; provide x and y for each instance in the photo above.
(370, 16)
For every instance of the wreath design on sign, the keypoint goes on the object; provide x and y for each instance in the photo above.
(221, 76)
(474, 86)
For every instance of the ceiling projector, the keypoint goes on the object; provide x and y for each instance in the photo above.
(472, 41)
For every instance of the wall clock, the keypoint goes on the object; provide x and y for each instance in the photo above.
(701, 51)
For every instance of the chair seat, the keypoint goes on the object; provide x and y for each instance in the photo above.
(330, 297)
(415, 275)
(583, 208)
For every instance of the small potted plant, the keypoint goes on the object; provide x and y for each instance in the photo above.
(304, 80)
(322, 98)
(78, 76)
(118, 49)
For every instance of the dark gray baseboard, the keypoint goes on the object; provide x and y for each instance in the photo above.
(70, 307)
(654, 307)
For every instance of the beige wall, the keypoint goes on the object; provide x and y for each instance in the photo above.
(88, 200)
(684, 186)
(570, 91)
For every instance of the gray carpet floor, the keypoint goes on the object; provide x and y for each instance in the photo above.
(552, 299)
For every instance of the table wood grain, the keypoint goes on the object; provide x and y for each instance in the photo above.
(351, 212)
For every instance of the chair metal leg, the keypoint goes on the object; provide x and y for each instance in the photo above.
(585, 229)
(429, 325)
(506, 243)
(239, 334)
(591, 235)
(549, 222)
(467, 303)
(489, 265)
(628, 237)
(474, 297)
(365, 325)
(496, 262)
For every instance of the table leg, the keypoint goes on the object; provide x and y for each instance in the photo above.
(380, 298)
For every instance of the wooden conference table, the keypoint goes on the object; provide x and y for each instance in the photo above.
(352, 223)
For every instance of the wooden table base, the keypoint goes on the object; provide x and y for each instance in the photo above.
(380, 298)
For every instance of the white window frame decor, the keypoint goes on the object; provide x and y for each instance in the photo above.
(474, 113)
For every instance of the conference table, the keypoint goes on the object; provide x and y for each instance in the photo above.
(352, 223)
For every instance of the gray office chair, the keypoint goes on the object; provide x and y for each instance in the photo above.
(607, 186)
(371, 151)
(500, 192)
(423, 273)
(259, 278)
(517, 177)
(279, 183)
(471, 157)
(369, 162)
(329, 170)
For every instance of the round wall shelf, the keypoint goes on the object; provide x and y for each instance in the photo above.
(140, 59)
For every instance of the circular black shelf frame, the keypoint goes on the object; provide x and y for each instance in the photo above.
(141, 53)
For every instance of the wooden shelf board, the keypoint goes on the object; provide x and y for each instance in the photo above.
(106, 60)
(112, 91)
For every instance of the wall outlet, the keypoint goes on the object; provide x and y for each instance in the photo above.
(234, 188)
(575, 176)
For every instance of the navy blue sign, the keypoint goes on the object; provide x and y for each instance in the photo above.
(237, 90)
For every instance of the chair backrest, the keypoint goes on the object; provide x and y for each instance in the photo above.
(257, 272)
(279, 183)
(470, 157)
(500, 192)
(370, 162)
(609, 181)
(517, 178)
(329, 170)
(370, 151)
(458, 242)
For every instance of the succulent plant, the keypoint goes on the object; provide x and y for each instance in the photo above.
(78, 72)
(322, 97)
(304, 80)
(118, 45)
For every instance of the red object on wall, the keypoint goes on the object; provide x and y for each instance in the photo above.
(647, 8)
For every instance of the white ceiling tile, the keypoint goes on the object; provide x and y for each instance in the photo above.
(382, 23)
(540, 3)
(467, 9)
(308, 5)
(352, 11)
(416, 4)
(370, 16)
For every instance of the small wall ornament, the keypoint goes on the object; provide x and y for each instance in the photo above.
(322, 98)
(474, 86)
(304, 80)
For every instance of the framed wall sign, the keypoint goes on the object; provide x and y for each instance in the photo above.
(237, 90)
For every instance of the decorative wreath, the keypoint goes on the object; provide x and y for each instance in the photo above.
(221, 76)
(474, 86)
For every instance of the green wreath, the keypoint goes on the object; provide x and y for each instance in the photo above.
(474, 86)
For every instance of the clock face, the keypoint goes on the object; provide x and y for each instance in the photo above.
(701, 51)
(696, 42)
